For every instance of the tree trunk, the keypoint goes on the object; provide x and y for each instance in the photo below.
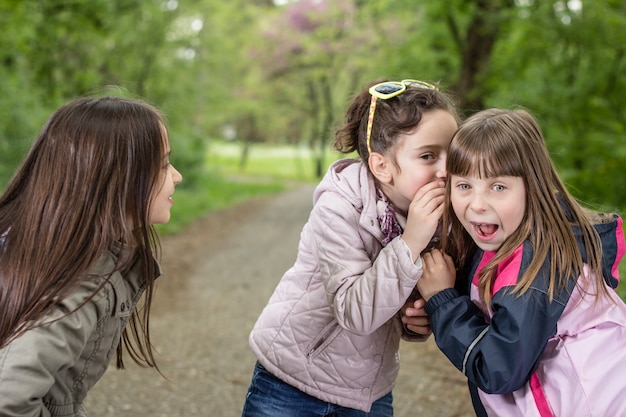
(481, 36)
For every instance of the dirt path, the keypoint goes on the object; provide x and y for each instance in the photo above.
(218, 275)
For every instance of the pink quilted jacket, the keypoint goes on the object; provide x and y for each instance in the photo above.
(332, 327)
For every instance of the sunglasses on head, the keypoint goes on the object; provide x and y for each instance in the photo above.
(385, 91)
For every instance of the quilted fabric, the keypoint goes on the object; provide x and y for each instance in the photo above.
(332, 327)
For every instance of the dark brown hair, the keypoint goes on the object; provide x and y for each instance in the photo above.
(393, 117)
(85, 184)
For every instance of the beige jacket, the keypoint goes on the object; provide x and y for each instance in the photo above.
(48, 370)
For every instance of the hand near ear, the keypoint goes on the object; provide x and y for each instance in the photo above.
(423, 217)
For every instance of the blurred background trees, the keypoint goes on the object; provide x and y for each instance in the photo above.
(283, 71)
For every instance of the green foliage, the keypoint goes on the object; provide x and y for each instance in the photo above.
(284, 74)
(566, 66)
(21, 116)
(20, 110)
(189, 153)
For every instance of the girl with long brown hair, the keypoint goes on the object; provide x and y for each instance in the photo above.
(540, 330)
(78, 250)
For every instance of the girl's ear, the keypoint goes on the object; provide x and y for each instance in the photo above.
(380, 166)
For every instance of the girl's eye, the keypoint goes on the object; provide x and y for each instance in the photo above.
(463, 187)
(428, 156)
(499, 187)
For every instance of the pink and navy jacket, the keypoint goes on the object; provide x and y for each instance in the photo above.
(529, 356)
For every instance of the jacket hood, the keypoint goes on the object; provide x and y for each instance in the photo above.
(609, 228)
(611, 233)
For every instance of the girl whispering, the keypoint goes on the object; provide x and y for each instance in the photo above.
(327, 341)
(541, 331)
(77, 251)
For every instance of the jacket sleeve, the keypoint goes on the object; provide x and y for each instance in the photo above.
(29, 363)
(364, 293)
(499, 355)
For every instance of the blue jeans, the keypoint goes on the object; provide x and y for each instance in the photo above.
(268, 396)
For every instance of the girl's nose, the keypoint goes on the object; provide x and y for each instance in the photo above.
(478, 202)
(177, 176)
(440, 169)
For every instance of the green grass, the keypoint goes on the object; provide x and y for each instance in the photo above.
(269, 169)
(287, 162)
(215, 193)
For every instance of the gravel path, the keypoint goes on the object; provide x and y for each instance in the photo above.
(218, 275)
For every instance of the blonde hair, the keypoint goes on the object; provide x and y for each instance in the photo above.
(499, 142)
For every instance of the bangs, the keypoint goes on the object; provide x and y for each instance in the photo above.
(485, 156)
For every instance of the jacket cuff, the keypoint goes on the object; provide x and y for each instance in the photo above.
(440, 298)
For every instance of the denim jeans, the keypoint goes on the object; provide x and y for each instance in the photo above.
(268, 396)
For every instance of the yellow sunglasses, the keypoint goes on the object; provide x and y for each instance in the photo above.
(385, 91)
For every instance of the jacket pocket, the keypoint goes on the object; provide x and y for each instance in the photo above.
(323, 339)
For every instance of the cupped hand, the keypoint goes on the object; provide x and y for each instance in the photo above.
(423, 216)
(438, 274)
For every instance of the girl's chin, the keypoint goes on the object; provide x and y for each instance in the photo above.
(487, 246)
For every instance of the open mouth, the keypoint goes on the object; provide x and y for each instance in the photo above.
(485, 230)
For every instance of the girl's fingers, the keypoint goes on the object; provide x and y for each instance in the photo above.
(434, 188)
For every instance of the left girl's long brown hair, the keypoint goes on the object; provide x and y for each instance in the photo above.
(85, 184)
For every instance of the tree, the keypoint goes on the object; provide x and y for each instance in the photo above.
(317, 51)
(285, 73)
(565, 62)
